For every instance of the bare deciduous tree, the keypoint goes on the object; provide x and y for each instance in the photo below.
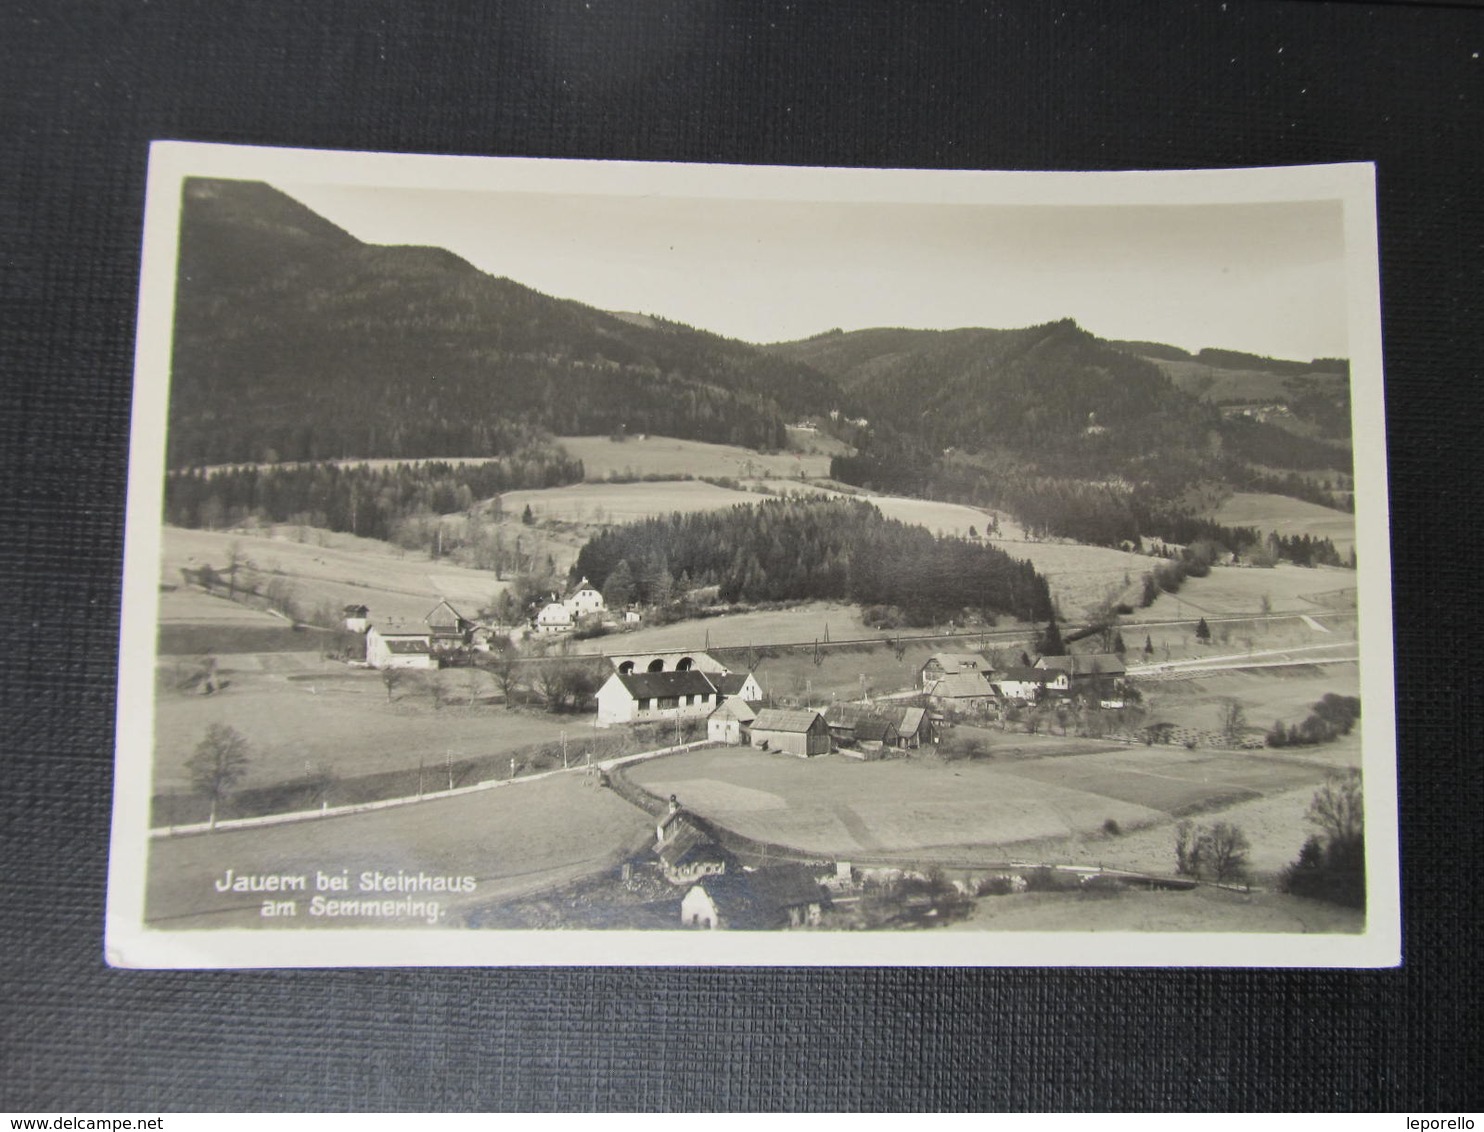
(1338, 807)
(219, 762)
(1231, 721)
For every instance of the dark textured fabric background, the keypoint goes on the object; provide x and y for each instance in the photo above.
(85, 86)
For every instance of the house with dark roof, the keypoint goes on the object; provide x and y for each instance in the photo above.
(396, 647)
(1086, 671)
(875, 731)
(448, 628)
(357, 618)
(689, 853)
(636, 697)
(738, 685)
(788, 896)
(1084, 664)
(915, 727)
(800, 732)
(841, 719)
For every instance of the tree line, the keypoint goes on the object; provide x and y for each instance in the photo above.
(783, 550)
(372, 502)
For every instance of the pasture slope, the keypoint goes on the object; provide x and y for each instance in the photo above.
(301, 713)
(1288, 517)
(325, 568)
(1035, 800)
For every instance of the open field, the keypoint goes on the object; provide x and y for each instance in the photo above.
(512, 840)
(1288, 517)
(923, 807)
(738, 630)
(607, 503)
(1273, 823)
(327, 568)
(1266, 694)
(668, 456)
(802, 440)
(298, 711)
(1232, 591)
(1200, 910)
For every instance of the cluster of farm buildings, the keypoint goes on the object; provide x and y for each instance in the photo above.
(685, 686)
(445, 631)
(677, 685)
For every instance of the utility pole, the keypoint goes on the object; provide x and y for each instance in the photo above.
(564, 750)
(448, 759)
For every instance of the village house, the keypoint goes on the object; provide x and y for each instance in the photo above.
(357, 618)
(1027, 685)
(942, 664)
(448, 629)
(767, 899)
(1086, 671)
(393, 648)
(686, 850)
(731, 723)
(553, 617)
(961, 691)
(738, 686)
(637, 697)
(583, 600)
(799, 732)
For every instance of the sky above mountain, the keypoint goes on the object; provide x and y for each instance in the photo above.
(1264, 278)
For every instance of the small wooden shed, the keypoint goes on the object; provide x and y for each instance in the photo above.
(800, 732)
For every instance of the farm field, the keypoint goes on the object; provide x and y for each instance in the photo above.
(608, 503)
(666, 455)
(327, 568)
(182, 606)
(512, 840)
(1288, 517)
(1200, 910)
(329, 716)
(840, 807)
(1234, 591)
(1267, 694)
(798, 623)
(1273, 823)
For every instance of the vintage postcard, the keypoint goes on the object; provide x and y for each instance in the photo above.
(545, 562)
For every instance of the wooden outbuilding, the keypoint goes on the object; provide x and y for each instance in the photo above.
(798, 732)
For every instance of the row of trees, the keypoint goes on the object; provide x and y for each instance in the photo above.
(1330, 866)
(783, 550)
(373, 502)
(1331, 717)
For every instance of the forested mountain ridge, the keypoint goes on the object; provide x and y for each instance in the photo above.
(296, 341)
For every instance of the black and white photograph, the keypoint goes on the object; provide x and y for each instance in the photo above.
(539, 562)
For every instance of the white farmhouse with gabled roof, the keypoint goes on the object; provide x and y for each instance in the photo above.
(583, 599)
